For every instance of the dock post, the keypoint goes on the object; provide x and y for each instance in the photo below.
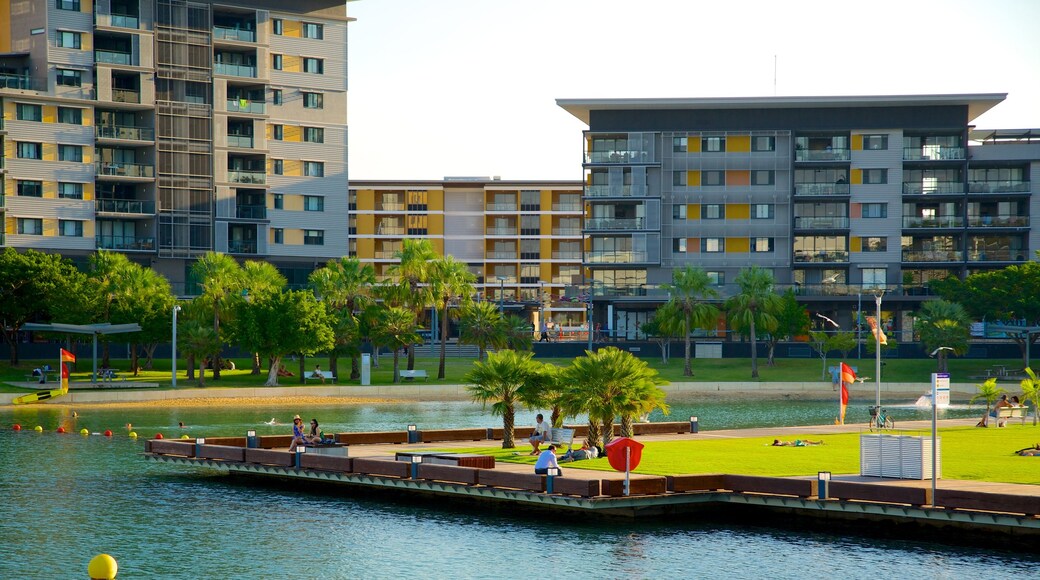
(299, 452)
(694, 425)
(251, 439)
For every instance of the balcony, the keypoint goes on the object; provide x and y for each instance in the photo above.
(251, 177)
(998, 187)
(124, 21)
(934, 188)
(822, 155)
(1001, 255)
(501, 255)
(821, 257)
(25, 82)
(566, 232)
(251, 212)
(125, 96)
(821, 189)
(501, 207)
(613, 224)
(125, 243)
(390, 207)
(943, 221)
(616, 257)
(627, 156)
(566, 207)
(124, 206)
(821, 223)
(389, 230)
(124, 170)
(933, 256)
(999, 221)
(246, 106)
(124, 132)
(234, 70)
(112, 57)
(229, 33)
(612, 191)
(575, 255)
(241, 246)
(240, 141)
(501, 231)
(933, 153)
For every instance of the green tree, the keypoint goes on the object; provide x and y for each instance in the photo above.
(480, 324)
(222, 283)
(989, 392)
(415, 271)
(754, 307)
(791, 320)
(665, 325)
(450, 282)
(199, 341)
(823, 343)
(345, 287)
(689, 291)
(506, 379)
(282, 323)
(943, 324)
(396, 329)
(259, 280)
(518, 332)
(1031, 392)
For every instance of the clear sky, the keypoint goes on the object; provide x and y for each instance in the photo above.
(468, 87)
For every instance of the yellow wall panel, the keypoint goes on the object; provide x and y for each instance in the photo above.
(366, 224)
(50, 227)
(86, 41)
(438, 245)
(547, 199)
(545, 270)
(693, 211)
(9, 149)
(50, 114)
(366, 201)
(291, 28)
(436, 200)
(739, 177)
(366, 248)
(857, 142)
(5, 25)
(292, 237)
(88, 155)
(738, 144)
(86, 6)
(50, 152)
(738, 211)
(270, 132)
(88, 117)
(88, 229)
(693, 144)
(292, 133)
(291, 63)
(88, 191)
(546, 223)
(292, 202)
(856, 176)
(436, 224)
(693, 178)
(738, 245)
(11, 225)
(50, 190)
(292, 167)
(855, 244)
(545, 246)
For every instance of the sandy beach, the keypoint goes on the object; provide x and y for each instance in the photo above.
(237, 402)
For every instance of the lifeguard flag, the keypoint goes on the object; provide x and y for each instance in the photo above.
(67, 356)
(877, 332)
(848, 376)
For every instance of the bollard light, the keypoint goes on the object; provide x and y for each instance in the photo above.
(416, 460)
(694, 425)
(251, 439)
(299, 453)
(550, 473)
(199, 442)
(823, 479)
(490, 433)
(413, 434)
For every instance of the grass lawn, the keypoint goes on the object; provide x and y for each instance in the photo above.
(968, 453)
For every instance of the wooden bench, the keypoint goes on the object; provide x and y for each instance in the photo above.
(315, 376)
(1005, 413)
(414, 374)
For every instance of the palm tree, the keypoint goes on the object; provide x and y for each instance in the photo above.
(221, 279)
(755, 305)
(941, 323)
(643, 399)
(506, 379)
(1031, 392)
(689, 290)
(345, 286)
(989, 391)
(480, 323)
(450, 281)
(200, 341)
(518, 334)
(415, 271)
(396, 329)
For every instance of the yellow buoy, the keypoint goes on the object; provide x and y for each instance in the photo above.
(39, 429)
(133, 434)
(185, 437)
(84, 432)
(102, 567)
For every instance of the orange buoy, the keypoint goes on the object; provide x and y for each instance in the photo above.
(108, 432)
(61, 429)
(158, 436)
(17, 427)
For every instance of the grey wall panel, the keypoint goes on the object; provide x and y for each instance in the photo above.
(325, 82)
(50, 242)
(462, 201)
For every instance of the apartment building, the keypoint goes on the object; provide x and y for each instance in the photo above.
(840, 197)
(165, 129)
(521, 239)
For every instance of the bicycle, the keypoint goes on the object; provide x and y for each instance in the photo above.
(880, 420)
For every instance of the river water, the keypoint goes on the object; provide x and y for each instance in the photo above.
(66, 498)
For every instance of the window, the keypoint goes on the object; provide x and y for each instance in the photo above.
(30, 188)
(67, 39)
(311, 30)
(678, 178)
(713, 178)
(761, 245)
(69, 78)
(875, 142)
(70, 190)
(278, 235)
(30, 226)
(762, 211)
(713, 144)
(70, 153)
(313, 203)
(717, 278)
(679, 144)
(279, 201)
(277, 132)
(713, 245)
(70, 115)
(314, 134)
(314, 168)
(679, 246)
(762, 177)
(875, 176)
(679, 212)
(875, 244)
(70, 228)
(276, 96)
(313, 65)
(276, 26)
(30, 112)
(763, 143)
(276, 61)
(313, 237)
(875, 210)
(278, 166)
(713, 211)
(875, 277)
(30, 150)
(72, 5)
(313, 101)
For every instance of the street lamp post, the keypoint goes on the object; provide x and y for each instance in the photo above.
(877, 347)
(501, 293)
(173, 360)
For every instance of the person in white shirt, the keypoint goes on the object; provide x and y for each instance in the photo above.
(546, 460)
(541, 434)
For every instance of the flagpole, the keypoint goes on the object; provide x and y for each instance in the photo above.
(841, 384)
(877, 349)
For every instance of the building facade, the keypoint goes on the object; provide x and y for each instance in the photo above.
(841, 198)
(165, 129)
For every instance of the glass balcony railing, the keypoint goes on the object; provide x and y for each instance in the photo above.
(611, 191)
(566, 207)
(822, 155)
(998, 221)
(826, 223)
(501, 207)
(390, 207)
(251, 212)
(601, 224)
(616, 257)
(566, 232)
(576, 255)
(125, 243)
(501, 255)
(245, 106)
(389, 230)
(234, 70)
(13, 81)
(501, 231)
(811, 256)
(240, 141)
(1001, 255)
(933, 256)
(933, 153)
(125, 96)
(112, 57)
(933, 188)
(124, 169)
(628, 156)
(943, 221)
(122, 132)
(124, 206)
(241, 246)
(227, 33)
(242, 176)
(124, 20)
(821, 189)
(998, 187)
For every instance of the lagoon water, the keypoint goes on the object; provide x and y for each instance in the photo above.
(66, 498)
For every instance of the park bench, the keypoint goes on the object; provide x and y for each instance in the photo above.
(561, 436)
(315, 376)
(1005, 413)
(414, 374)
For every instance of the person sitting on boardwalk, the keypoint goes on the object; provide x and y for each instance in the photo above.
(315, 436)
(586, 452)
(1003, 402)
(795, 443)
(546, 460)
(297, 433)
(541, 433)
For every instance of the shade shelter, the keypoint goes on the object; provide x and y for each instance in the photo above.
(93, 329)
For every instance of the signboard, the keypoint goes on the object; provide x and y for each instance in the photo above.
(941, 388)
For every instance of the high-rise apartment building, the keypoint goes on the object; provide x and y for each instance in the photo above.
(165, 129)
(840, 197)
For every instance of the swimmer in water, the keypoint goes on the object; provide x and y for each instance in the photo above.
(271, 422)
(181, 424)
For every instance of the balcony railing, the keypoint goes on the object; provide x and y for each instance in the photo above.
(936, 188)
(225, 33)
(501, 231)
(12, 81)
(124, 20)
(566, 255)
(600, 224)
(943, 221)
(124, 169)
(241, 141)
(501, 255)
(611, 191)
(241, 246)
(821, 155)
(997, 256)
(125, 96)
(384, 230)
(125, 243)
(390, 207)
(833, 256)
(614, 257)
(124, 206)
(241, 176)
(124, 132)
(246, 106)
(112, 57)
(566, 207)
(501, 207)
(821, 189)
(251, 212)
(566, 232)
(933, 256)
(999, 221)
(824, 223)
(998, 187)
(234, 70)
(933, 153)
(629, 156)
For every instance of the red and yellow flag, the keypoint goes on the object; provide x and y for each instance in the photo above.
(67, 356)
(848, 376)
(875, 330)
